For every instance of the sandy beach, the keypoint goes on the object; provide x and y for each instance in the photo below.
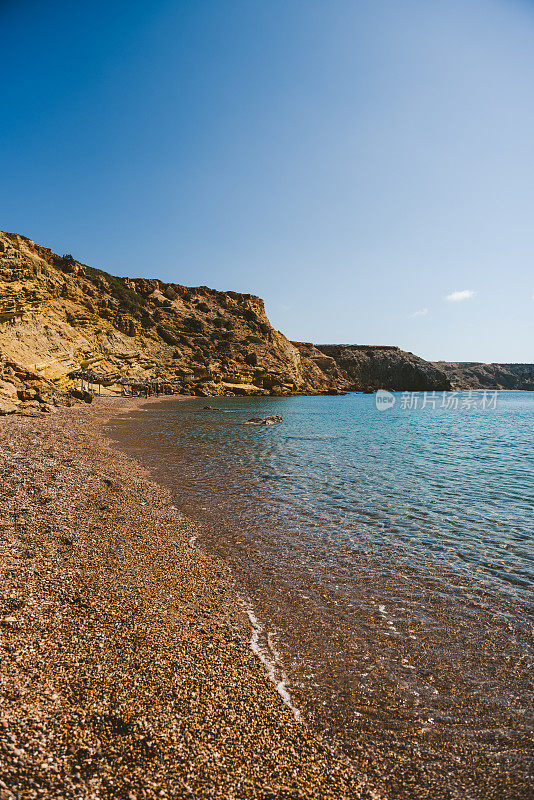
(126, 664)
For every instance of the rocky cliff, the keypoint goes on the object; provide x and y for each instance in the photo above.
(59, 315)
(360, 367)
(472, 375)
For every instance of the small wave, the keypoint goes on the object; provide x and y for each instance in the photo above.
(315, 438)
(269, 656)
(387, 619)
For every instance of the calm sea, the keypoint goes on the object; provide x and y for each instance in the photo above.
(385, 557)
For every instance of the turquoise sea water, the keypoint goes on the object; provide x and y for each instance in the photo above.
(385, 557)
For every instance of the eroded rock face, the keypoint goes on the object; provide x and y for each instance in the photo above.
(472, 375)
(22, 389)
(57, 315)
(369, 367)
(82, 394)
(6, 406)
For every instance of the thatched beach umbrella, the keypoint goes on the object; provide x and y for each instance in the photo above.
(102, 380)
(77, 375)
(91, 377)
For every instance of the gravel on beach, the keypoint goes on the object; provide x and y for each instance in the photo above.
(126, 670)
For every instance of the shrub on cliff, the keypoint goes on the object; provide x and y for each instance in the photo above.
(193, 325)
(147, 320)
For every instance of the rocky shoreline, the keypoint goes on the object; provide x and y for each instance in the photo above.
(126, 668)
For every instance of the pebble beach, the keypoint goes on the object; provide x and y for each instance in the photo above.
(126, 668)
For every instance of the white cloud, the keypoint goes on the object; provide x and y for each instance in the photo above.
(457, 297)
(421, 313)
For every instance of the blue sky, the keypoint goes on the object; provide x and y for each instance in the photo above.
(352, 162)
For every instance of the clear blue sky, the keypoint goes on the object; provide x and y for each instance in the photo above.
(353, 162)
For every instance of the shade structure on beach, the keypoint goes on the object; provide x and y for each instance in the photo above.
(92, 377)
(99, 379)
(157, 385)
(136, 382)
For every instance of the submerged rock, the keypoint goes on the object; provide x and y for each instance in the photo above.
(271, 420)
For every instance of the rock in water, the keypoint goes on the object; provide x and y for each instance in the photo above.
(266, 420)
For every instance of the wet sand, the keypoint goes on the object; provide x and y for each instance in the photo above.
(125, 663)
